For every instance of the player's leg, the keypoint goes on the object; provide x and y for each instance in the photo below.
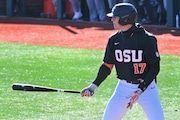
(101, 10)
(111, 3)
(150, 103)
(117, 105)
(93, 16)
(115, 109)
(76, 8)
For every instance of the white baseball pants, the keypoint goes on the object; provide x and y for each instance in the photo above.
(149, 101)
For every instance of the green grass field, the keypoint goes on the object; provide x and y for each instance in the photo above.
(70, 69)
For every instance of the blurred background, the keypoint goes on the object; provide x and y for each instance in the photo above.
(151, 12)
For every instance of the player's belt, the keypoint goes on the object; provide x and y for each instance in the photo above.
(133, 82)
(138, 81)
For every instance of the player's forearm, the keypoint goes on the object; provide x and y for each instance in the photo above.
(150, 76)
(103, 72)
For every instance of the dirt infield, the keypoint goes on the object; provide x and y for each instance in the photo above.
(76, 34)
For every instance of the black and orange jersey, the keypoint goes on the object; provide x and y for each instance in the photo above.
(132, 52)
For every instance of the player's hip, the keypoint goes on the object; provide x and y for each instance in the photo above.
(123, 87)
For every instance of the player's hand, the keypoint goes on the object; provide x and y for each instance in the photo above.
(134, 98)
(88, 91)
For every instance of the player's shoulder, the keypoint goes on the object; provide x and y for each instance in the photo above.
(149, 35)
(144, 33)
(114, 36)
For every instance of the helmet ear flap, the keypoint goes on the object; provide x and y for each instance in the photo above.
(123, 21)
(120, 22)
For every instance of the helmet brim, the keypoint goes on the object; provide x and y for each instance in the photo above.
(110, 14)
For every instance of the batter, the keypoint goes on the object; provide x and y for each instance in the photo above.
(134, 53)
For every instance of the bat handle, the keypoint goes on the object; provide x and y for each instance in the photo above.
(71, 91)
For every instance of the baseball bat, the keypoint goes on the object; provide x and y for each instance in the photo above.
(36, 88)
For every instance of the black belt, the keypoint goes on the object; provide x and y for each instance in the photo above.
(133, 82)
(138, 81)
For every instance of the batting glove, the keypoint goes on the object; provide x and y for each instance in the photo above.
(134, 98)
(89, 91)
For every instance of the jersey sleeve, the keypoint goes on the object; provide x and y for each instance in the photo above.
(151, 50)
(108, 56)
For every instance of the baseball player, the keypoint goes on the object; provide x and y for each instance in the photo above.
(134, 53)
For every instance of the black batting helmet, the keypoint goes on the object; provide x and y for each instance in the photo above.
(126, 12)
